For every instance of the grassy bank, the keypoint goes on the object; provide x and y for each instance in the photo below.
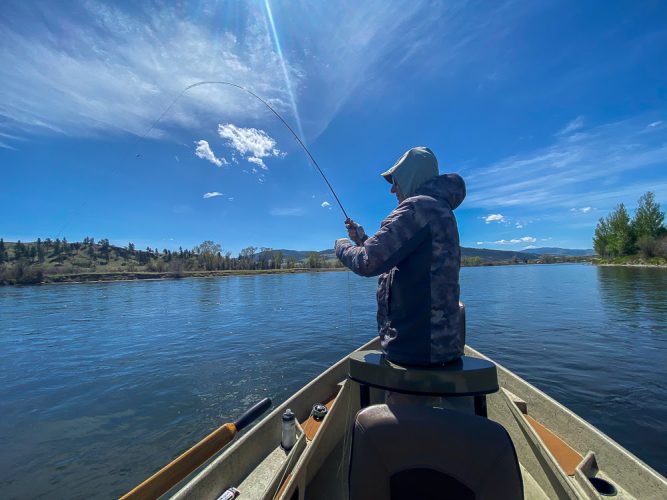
(36, 277)
(132, 276)
(631, 260)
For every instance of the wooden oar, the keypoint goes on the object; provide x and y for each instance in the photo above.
(160, 482)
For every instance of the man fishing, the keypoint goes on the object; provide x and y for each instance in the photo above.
(416, 253)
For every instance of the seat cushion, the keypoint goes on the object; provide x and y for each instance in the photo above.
(446, 452)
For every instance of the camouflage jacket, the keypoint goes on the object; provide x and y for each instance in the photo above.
(417, 255)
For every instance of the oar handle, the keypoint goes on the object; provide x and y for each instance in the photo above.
(254, 412)
(179, 468)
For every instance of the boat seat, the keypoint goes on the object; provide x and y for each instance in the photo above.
(467, 376)
(410, 451)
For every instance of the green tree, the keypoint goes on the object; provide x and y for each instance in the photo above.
(315, 260)
(3, 251)
(278, 260)
(207, 254)
(40, 250)
(602, 238)
(648, 217)
(19, 250)
(621, 241)
(247, 257)
(105, 249)
(130, 248)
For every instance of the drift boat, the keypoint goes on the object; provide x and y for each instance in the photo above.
(490, 435)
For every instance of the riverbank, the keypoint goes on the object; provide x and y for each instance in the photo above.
(42, 278)
(147, 275)
(631, 262)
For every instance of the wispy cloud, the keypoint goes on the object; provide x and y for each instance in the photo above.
(205, 152)
(254, 143)
(594, 166)
(572, 126)
(211, 194)
(287, 212)
(655, 124)
(102, 67)
(326, 204)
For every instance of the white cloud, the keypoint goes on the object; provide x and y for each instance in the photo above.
(516, 241)
(259, 162)
(582, 210)
(495, 218)
(655, 124)
(326, 204)
(572, 126)
(212, 194)
(518, 225)
(480, 242)
(205, 152)
(530, 247)
(253, 142)
(287, 212)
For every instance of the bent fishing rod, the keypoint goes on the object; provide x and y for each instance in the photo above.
(298, 139)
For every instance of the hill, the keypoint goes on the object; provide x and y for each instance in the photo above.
(570, 252)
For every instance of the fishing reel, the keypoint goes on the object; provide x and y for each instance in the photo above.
(319, 411)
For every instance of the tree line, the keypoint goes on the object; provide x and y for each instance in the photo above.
(30, 262)
(618, 235)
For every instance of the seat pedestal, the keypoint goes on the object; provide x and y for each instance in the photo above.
(469, 378)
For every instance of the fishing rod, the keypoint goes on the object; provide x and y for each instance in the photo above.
(298, 139)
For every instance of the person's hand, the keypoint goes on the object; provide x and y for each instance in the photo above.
(355, 231)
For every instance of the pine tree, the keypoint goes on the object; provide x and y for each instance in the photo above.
(40, 250)
(621, 241)
(3, 251)
(648, 217)
(601, 238)
(19, 250)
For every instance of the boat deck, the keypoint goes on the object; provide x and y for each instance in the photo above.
(558, 452)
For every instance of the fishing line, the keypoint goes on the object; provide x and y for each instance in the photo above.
(298, 139)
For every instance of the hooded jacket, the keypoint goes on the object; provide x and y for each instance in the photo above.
(417, 255)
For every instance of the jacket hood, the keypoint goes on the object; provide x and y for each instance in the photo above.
(450, 187)
(415, 167)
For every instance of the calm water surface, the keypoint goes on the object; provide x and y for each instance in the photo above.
(101, 384)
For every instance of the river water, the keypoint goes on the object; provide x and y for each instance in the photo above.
(103, 383)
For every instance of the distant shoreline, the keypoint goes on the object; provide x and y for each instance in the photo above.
(114, 276)
(159, 276)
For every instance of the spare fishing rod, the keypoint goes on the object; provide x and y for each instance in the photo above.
(298, 139)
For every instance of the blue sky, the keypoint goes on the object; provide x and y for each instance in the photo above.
(553, 112)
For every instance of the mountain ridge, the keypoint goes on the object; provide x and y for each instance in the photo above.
(486, 254)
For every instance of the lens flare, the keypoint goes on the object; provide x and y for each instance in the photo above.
(288, 83)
